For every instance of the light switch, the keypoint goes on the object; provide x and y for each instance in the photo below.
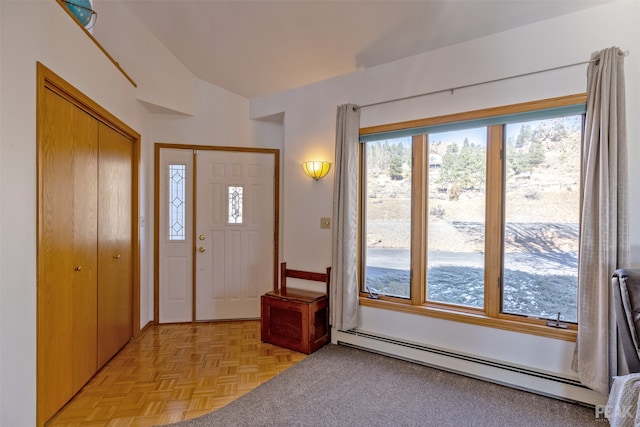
(325, 222)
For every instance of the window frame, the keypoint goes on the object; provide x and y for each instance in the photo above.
(490, 315)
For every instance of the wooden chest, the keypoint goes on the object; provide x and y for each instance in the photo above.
(295, 319)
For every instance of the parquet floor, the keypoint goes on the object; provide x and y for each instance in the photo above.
(176, 372)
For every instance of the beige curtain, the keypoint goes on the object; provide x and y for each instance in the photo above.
(343, 297)
(604, 245)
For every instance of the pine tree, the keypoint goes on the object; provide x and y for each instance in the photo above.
(396, 161)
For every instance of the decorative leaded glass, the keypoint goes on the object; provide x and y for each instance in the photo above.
(235, 205)
(177, 206)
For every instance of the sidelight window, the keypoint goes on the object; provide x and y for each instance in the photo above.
(177, 205)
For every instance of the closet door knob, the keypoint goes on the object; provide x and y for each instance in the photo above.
(78, 268)
(117, 256)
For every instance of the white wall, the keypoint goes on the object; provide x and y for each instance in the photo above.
(162, 80)
(1, 203)
(309, 131)
(221, 119)
(39, 30)
(36, 31)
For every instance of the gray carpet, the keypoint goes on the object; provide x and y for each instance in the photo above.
(343, 386)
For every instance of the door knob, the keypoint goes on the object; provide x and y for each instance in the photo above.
(117, 256)
(201, 237)
(78, 268)
(202, 249)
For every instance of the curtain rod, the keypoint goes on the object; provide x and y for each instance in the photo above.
(452, 89)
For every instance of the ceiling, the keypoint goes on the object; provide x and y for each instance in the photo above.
(258, 47)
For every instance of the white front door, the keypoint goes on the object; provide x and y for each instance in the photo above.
(235, 233)
(230, 252)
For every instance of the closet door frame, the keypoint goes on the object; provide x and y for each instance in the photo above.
(48, 80)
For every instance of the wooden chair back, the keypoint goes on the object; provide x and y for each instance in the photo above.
(304, 275)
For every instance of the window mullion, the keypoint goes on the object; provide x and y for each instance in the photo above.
(493, 231)
(362, 215)
(419, 210)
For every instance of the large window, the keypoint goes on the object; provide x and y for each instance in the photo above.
(476, 215)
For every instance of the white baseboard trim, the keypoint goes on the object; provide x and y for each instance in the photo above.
(538, 382)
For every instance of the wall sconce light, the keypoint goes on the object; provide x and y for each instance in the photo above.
(316, 169)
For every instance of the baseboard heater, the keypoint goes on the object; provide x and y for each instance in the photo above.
(519, 377)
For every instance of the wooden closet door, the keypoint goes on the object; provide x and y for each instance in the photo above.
(67, 270)
(115, 280)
